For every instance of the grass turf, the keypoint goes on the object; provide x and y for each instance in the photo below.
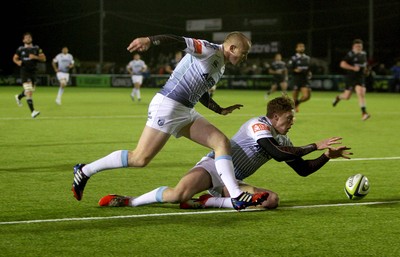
(37, 156)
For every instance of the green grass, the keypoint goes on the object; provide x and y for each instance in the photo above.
(37, 156)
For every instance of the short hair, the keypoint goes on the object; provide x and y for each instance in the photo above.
(27, 34)
(357, 41)
(237, 35)
(279, 105)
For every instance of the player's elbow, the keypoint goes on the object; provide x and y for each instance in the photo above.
(302, 172)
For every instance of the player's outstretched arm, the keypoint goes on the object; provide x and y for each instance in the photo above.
(230, 109)
(326, 143)
(143, 43)
(208, 102)
(140, 44)
(337, 152)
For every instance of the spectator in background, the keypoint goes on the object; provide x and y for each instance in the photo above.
(27, 58)
(279, 72)
(62, 64)
(136, 68)
(381, 70)
(355, 64)
(299, 67)
(395, 84)
(369, 78)
(172, 64)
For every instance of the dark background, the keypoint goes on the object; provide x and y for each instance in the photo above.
(326, 27)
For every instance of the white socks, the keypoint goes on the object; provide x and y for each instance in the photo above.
(117, 159)
(60, 92)
(135, 92)
(219, 202)
(154, 196)
(224, 167)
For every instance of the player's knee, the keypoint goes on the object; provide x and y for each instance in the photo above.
(222, 142)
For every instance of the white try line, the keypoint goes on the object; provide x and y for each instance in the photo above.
(190, 213)
(367, 159)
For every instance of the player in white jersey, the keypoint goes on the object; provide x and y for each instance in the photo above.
(171, 111)
(62, 64)
(258, 140)
(136, 67)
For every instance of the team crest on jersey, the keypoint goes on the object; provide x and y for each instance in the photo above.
(259, 126)
(197, 46)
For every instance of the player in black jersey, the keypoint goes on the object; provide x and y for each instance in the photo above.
(279, 72)
(27, 57)
(299, 67)
(355, 63)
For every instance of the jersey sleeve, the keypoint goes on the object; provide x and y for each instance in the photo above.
(177, 42)
(259, 130)
(199, 47)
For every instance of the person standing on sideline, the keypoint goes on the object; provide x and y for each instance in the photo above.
(171, 112)
(27, 57)
(395, 83)
(257, 141)
(355, 64)
(62, 64)
(135, 68)
(279, 72)
(299, 66)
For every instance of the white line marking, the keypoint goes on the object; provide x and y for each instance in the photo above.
(367, 159)
(189, 213)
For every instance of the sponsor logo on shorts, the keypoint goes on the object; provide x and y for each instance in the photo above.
(161, 122)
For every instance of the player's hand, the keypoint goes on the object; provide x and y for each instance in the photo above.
(326, 143)
(230, 109)
(336, 152)
(140, 44)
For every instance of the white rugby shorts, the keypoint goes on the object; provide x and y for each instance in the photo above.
(169, 116)
(137, 79)
(63, 76)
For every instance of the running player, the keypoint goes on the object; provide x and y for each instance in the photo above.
(27, 58)
(355, 63)
(299, 66)
(62, 64)
(280, 75)
(171, 111)
(258, 140)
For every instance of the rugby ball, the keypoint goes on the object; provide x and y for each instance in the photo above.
(356, 187)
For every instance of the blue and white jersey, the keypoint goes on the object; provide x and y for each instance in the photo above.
(63, 61)
(136, 67)
(247, 155)
(199, 70)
